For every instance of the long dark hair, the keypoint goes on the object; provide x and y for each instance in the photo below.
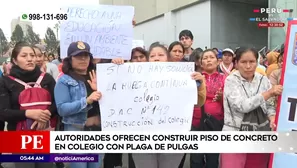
(68, 69)
(17, 49)
(196, 54)
(207, 50)
(174, 44)
(139, 49)
(156, 45)
(243, 50)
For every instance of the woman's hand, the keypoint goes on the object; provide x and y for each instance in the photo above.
(219, 95)
(272, 122)
(134, 22)
(276, 90)
(93, 80)
(118, 61)
(38, 115)
(95, 96)
(40, 125)
(197, 76)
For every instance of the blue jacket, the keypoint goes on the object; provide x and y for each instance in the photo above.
(71, 100)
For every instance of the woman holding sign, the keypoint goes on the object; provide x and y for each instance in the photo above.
(159, 53)
(77, 96)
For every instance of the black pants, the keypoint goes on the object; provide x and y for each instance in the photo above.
(200, 160)
(112, 160)
(59, 164)
(131, 163)
(182, 162)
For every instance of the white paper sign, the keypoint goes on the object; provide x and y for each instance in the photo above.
(107, 29)
(137, 43)
(146, 96)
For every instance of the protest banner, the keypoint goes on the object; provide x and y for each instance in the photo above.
(146, 96)
(106, 28)
(286, 111)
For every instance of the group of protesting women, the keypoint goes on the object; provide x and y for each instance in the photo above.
(232, 85)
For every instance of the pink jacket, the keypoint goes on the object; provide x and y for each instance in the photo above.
(214, 82)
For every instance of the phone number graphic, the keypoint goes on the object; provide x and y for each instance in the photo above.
(74, 158)
(46, 16)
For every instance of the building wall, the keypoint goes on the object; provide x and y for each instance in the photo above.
(231, 26)
(277, 36)
(166, 28)
(214, 23)
(146, 9)
(197, 19)
(23, 25)
(151, 31)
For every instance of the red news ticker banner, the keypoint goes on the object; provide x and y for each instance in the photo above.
(18, 142)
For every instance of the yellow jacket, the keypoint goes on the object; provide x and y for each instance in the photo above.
(272, 62)
(261, 71)
(271, 68)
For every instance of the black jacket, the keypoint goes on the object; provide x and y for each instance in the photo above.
(9, 99)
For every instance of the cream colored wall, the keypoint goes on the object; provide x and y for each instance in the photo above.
(146, 9)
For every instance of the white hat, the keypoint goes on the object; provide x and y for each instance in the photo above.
(228, 50)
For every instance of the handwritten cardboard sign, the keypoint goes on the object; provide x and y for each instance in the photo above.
(146, 96)
(106, 28)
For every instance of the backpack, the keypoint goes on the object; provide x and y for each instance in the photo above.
(34, 97)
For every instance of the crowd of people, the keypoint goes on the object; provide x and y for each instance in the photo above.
(235, 87)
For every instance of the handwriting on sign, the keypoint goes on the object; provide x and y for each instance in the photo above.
(136, 85)
(85, 13)
(105, 28)
(172, 120)
(148, 98)
(171, 68)
(148, 95)
(155, 109)
(138, 69)
(144, 121)
(151, 109)
(120, 111)
(80, 26)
